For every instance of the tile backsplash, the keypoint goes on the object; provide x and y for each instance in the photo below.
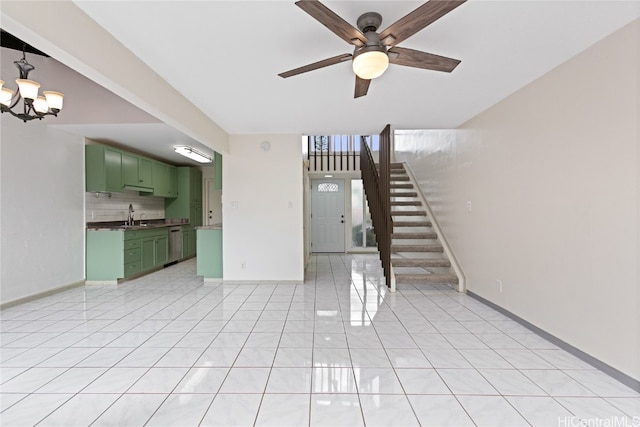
(115, 206)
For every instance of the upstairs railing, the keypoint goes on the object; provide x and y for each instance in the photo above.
(335, 153)
(376, 182)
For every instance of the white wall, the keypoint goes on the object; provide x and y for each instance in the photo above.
(42, 221)
(262, 209)
(553, 176)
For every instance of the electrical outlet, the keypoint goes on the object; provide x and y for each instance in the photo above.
(243, 265)
(499, 285)
(469, 206)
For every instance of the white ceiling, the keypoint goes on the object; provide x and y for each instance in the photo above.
(225, 57)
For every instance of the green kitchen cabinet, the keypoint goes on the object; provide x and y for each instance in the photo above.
(162, 250)
(164, 180)
(196, 187)
(154, 248)
(188, 243)
(117, 254)
(188, 203)
(195, 215)
(209, 262)
(148, 253)
(137, 173)
(103, 166)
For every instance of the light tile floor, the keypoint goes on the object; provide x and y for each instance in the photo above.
(337, 351)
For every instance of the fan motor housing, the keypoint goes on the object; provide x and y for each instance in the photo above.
(369, 21)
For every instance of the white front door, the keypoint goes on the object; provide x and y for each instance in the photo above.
(327, 215)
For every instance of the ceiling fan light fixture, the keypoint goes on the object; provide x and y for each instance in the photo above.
(370, 62)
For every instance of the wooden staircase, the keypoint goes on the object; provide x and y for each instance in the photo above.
(417, 257)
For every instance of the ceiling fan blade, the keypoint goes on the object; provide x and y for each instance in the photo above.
(320, 64)
(332, 21)
(415, 21)
(419, 59)
(362, 86)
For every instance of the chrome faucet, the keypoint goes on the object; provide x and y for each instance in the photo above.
(131, 211)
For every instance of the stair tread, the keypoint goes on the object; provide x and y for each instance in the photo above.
(408, 213)
(406, 203)
(427, 278)
(403, 194)
(400, 185)
(414, 236)
(412, 223)
(400, 178)
(420, 262)
(417, 248)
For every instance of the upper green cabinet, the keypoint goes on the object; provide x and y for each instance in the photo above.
(188, 204)
(103, 167)
(138, 173)
(164, 180)
(113, 170)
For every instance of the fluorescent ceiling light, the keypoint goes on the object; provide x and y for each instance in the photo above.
(193, 154)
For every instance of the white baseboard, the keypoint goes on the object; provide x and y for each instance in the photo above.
(43, 294)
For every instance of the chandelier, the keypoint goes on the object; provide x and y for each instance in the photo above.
(33, 106)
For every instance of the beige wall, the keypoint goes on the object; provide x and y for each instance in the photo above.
(42, 208)
(262, 209)
(553, 177)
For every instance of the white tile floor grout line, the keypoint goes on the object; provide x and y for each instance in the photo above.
(165, 349)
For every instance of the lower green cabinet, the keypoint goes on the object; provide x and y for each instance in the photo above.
(209, 261)
(115, 254)
(148, 253)
(188, 243)
(162, 250)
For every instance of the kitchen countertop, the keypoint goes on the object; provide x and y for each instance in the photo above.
(145, 225)
(217, 226)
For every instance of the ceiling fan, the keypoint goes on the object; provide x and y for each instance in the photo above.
(375, 50)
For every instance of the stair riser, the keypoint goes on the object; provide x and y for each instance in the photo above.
(425, 279)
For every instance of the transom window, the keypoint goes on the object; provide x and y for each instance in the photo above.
(328, 187)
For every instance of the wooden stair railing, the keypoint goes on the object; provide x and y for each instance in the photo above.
(376, 183)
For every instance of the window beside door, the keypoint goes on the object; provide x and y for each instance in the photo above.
(362, 235)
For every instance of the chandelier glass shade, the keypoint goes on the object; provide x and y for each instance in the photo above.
(33, 106)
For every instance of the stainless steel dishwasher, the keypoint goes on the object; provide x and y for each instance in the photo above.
(175, 243)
